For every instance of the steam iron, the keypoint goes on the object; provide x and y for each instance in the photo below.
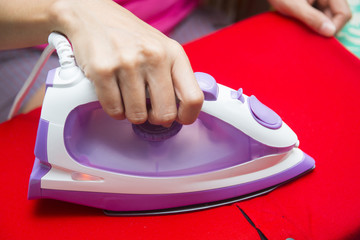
(238, 147)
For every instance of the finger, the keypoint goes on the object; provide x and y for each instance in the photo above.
(132, 85)
(313, 18)
(311, 2)
(341, 13)
(109, 96)
(186, 88)
(162, 96)
(327, 12)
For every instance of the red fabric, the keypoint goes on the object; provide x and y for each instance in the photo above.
(312, 82)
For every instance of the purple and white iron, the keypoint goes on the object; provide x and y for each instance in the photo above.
(237, 148)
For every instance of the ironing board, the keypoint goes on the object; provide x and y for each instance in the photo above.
(311, 81)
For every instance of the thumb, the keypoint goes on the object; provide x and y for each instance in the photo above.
(312, 17)
(317, 21)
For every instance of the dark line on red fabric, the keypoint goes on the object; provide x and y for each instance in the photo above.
(262, 236)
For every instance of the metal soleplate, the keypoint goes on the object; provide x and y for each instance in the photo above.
(190, 208)
(198, 207)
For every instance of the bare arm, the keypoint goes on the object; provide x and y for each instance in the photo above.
(121, 54)
(25, 23)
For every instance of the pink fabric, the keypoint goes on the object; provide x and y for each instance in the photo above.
(162, 15)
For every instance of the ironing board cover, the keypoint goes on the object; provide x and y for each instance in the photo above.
(311, 81)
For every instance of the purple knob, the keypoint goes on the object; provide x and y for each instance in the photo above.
(263, 114)
(156, 133)
(208, 85)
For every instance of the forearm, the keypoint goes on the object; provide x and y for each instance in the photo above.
(24, 23)
(122, 55)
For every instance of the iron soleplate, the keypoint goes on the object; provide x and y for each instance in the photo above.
(198, 207)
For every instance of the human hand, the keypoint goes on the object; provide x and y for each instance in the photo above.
(327, 19)
(123, 56)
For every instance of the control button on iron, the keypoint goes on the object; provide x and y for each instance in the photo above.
(238, 95)
(263, 114)
(208, 85)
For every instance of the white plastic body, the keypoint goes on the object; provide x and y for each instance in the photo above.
(68, 174)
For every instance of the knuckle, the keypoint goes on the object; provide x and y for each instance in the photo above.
(175, 47)
(168, 117)
(193, 107)
(195, 100)
(348, 15)
(155, 53)
(175, 44)
(115, 112)
(102, 70)
(129, 62)
(161, 119)
(136, 117)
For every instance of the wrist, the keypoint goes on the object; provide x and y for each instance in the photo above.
(62, 17)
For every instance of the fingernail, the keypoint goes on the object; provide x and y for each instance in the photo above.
(327, 29)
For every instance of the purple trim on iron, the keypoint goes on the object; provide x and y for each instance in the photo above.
(263, 114)
(39, 170)
(144, 202)
(50, 78)
(41, 141)
(41, 165)
(95, 140)
(156, 133)
(208, 85)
